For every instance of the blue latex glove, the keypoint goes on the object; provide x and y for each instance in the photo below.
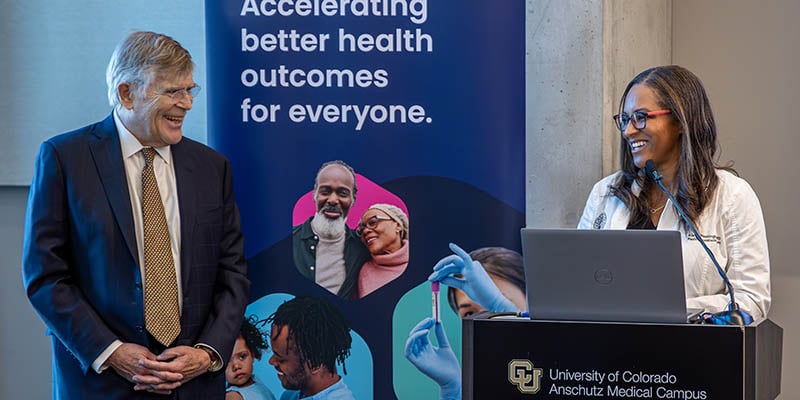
(475, 282)
(438, 363)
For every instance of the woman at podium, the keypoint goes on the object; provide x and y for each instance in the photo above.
(666, 123)
(665, 116)
(665, 119)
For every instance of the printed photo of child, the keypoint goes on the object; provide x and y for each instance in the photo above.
(249, 346)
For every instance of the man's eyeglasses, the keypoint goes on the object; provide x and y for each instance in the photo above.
(371, 223)
(639, 119)
(180, 94)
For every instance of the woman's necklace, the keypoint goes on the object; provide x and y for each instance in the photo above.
(655, 210)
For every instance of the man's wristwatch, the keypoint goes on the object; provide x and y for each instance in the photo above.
(216, 363)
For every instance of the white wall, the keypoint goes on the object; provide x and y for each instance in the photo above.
(53, 56)
(24, 348)
(747, 54)
(53, 61)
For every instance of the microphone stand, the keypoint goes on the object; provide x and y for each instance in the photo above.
(734, 315)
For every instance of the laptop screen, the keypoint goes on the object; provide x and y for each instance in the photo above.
(604, 275)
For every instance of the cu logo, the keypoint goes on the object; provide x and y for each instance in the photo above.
(522, 374)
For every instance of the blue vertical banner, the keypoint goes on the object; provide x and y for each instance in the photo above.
(425, 100)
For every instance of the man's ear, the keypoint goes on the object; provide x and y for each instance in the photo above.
(314, 370)
(125, 95)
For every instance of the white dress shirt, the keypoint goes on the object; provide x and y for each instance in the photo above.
(164, 170)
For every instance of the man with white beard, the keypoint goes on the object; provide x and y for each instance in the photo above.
(325, 249)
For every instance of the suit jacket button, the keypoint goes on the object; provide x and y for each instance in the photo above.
(139, 328)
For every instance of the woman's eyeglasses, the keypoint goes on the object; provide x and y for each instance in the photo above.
(639, 119)
(371, 223)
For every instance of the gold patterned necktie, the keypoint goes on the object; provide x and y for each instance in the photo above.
(161, 313)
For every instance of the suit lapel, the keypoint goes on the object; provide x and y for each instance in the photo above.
(107, 155)
(187, 191)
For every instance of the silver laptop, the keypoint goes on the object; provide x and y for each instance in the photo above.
(604, 275)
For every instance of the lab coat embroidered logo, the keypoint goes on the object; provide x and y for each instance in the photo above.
(600, 221)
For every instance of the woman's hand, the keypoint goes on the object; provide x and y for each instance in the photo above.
(438, 363)
(474, 280)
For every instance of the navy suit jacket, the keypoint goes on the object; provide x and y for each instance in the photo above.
(80, 261)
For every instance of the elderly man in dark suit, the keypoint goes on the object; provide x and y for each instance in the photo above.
(133, 253)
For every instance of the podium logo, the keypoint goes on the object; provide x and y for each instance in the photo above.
(522, 375)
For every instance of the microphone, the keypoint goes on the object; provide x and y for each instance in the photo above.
(734, 315)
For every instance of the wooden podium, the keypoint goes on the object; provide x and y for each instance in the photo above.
(518, 358)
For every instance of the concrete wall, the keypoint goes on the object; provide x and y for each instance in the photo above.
(564, 97)
(747, 55)
(636, 35)
(579, 57)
